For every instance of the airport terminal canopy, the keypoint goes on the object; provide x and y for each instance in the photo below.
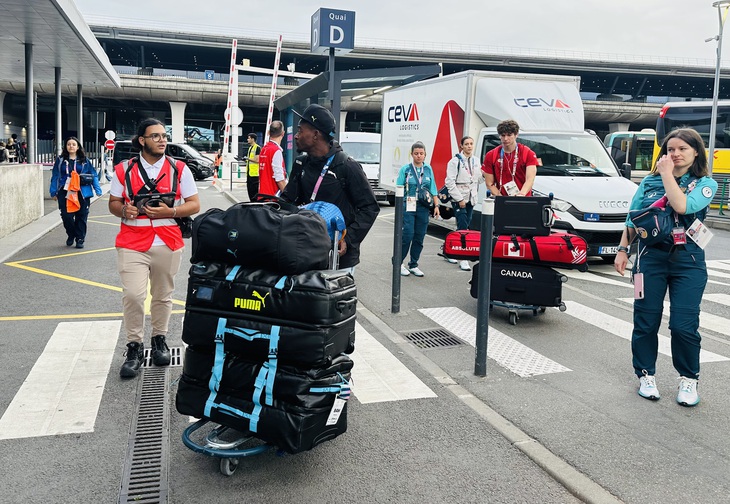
(351, 83)
(60, 38)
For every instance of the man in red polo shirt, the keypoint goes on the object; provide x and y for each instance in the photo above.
(272, 175)
(510, 169)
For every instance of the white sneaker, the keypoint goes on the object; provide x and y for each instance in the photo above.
(417, 272)
(647, 387)
(687, 395)
(450, 260)
(464, 265)
(404, 271)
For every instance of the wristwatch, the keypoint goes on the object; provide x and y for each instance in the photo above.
(621, 248)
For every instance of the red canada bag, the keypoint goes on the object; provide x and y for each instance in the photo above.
(462, 245)
(558, 250)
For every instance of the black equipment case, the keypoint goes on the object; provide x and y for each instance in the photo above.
(523, 284)
(314, 297)
(523, 216)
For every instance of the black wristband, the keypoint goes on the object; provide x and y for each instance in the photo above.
(621, 248)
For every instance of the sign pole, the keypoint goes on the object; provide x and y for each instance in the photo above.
(397, 249)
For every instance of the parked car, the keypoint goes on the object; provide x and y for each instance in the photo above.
(201, 166)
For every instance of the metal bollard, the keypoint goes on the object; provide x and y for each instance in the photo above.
(484, 284)
(397, 249)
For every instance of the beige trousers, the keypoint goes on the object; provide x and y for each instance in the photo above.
(158, 265)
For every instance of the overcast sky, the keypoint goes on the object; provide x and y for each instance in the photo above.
(660, 28)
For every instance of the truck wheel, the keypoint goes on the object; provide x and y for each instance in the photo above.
(608, 259)
(391, 200)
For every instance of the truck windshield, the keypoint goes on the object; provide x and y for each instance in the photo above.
(363, 152)
(564, 155)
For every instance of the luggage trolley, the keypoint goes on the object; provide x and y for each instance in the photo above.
(221, 442)
(228, 451)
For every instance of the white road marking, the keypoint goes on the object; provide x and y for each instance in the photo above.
(623, 329)
(589, 277)
(723, 299)
(507, 352)
(720, 325)
(378, 376)
(62, 393)
(718, 264)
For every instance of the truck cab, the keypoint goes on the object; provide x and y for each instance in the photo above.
(365, 149)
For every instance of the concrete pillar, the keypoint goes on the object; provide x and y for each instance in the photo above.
(2, 115)
(178, 121)
(30, 104)
(59, 124)
(343, 117)
(614, 127)
(80, 113)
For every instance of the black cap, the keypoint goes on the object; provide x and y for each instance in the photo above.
(319, 118)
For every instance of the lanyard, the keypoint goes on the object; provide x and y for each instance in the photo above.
(321, 177)
(501, 164)
(415, 176)
(68, 171)
(469, 166)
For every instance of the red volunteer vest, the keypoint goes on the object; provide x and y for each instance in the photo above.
(138, 234)
(267, 184)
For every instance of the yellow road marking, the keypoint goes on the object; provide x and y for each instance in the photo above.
(60, 256)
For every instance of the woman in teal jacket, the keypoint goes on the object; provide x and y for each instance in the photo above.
(73, 158)
(677, 263)
(420, 193)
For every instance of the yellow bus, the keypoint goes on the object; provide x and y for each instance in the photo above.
(697, 115)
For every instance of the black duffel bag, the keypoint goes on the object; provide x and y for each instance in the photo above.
(274, 236)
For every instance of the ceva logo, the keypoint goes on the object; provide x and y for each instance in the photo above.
(541, 102)
(403, 113)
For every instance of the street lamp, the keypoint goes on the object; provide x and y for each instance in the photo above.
(721, 16)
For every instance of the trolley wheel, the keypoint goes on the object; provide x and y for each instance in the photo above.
(513, 318)
(534, 311)
(228, 466)
(542, 309)
(562, 307)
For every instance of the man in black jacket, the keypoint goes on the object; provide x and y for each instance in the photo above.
(343, 182)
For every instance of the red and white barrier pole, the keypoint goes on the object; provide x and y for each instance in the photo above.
(270, 115)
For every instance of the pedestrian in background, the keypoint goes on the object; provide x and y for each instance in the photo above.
(677, 263)
(510, 169)
(252, 166)
(463, 175)
(4, 153)
(272, 174)
(73, 160)
(420, 194)
(150, 243)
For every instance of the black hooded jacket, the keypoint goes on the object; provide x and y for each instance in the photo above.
(344, 185)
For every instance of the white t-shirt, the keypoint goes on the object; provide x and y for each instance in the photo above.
(187, 184)
(277, 165)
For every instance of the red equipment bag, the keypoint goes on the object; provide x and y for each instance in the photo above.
(558, 249)
(462, 245)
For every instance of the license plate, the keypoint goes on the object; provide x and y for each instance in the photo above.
(379, 193)
(591, 217)
(608, 250)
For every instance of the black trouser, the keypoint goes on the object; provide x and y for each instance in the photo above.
(74, 223)
(252, 185)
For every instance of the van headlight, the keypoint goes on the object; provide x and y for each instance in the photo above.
(557, 204)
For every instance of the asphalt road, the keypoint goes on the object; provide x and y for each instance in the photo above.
(556, 419)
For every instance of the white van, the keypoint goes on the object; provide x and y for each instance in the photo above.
(365, 149)
(590, 197)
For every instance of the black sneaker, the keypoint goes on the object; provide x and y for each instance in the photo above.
(69, 241)
(160, 351)
(135, 357)
(79, 243)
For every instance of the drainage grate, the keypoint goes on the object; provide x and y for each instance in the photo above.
(433, 338)
(175, 357)
(146, 466)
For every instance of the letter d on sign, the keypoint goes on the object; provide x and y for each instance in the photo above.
(339, 38)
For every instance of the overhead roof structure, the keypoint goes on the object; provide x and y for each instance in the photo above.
(60, 38)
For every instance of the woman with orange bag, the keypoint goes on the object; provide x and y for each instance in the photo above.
(74, 214)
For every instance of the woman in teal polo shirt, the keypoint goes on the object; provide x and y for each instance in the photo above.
(677, 263)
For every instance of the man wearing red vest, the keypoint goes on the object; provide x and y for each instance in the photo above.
(272, 176)
(149, 243)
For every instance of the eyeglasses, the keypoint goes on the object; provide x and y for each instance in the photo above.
(157, 137)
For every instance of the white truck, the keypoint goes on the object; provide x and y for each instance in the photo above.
(365, 149)
(590, 196)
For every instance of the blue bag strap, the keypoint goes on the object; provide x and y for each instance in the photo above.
(217, 370)
(273, 360)
(234, 271)
(281, 283)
